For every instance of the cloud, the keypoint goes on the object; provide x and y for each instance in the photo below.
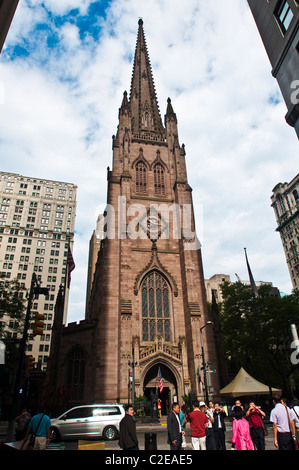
(64, 69)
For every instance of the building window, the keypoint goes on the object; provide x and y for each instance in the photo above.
(146, 120)
(296, 196)
(159, 180)
(283, 15)
(140, 178)
(76, 373)
(155, 307)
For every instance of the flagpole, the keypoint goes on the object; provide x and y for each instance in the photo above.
(257, 315)
(66, 278)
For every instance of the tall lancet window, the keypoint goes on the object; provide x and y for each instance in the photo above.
(155, 307)
(76, 373)
(159, 180)
(146, 120)
(140, 178)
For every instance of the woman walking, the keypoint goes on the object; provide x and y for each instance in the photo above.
(241, 439)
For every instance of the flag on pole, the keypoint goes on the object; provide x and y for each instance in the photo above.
(160, 380)
(130, 376)
(252, 283)
(70, 266)
(198, 376)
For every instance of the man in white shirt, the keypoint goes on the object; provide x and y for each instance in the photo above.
(296, 412)
(210, 441)
(283, 424)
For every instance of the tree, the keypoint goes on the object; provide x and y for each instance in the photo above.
(12, 304)
(12, 314)
(257, 333)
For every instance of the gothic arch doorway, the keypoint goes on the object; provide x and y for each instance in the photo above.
(151, 386)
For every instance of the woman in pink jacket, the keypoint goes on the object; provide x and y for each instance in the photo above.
(241, 439)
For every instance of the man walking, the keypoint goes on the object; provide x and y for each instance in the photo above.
(40, 426)
(198, 424)
(127, 430)
(174, 428)
(283, 420)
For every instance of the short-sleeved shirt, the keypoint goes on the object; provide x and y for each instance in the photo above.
(255, 419)
(280, 417)
(45, 424)
(197, 419)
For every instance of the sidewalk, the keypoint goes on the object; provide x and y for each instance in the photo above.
(160, 429)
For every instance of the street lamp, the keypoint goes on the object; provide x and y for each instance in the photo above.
(204, 362)
(133, 365)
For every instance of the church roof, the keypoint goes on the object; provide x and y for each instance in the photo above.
(143, 101)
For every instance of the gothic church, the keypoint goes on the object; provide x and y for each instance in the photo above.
(147, 303)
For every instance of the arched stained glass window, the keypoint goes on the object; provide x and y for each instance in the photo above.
(155, 307)
(159, 180)
(140, 178)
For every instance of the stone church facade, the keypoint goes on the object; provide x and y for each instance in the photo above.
(147, 304)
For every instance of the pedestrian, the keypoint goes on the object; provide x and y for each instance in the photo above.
(182, 417)
(22, 421)
(241, 439)
(210, 441)
(238, 403)
(296, 411)
(283, 420)
(160, 408)
(40, 428)
(211, 406)
(257, 426)
(127, 430)
(174, 428)
(198, 424)
(219, 427)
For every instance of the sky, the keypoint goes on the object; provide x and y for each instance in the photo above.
(63, 71)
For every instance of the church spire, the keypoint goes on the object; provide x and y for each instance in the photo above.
(146, 119)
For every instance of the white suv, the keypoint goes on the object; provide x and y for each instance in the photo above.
(88, 421)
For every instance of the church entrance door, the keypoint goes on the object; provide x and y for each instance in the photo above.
(151, 386)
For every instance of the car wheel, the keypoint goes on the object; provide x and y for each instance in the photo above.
(110, 433)
(55, 436)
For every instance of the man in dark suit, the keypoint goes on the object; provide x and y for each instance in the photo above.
(127, 430)
(219, 427)
(174, 428)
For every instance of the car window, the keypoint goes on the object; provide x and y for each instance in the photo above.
(106, 411)
(83, 412)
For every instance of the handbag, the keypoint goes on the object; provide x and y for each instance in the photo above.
(296, 443)
(265, 430)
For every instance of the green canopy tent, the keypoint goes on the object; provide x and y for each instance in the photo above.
(243, 384)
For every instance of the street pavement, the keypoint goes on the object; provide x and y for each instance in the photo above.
(160, 431)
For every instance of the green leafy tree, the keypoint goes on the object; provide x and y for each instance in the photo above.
(257, 332)
(12, 304)
(12, 315)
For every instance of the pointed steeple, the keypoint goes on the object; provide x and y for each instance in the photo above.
(146, 119)
(170, 114)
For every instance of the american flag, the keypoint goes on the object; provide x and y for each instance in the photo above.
(160, 380)
(70, 266)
